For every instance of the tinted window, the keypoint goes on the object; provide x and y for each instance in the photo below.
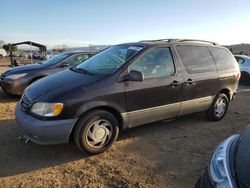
(223, 58)
(197, 59)
(157, 62)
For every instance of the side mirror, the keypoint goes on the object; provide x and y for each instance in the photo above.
(64, 64)
(134, 75)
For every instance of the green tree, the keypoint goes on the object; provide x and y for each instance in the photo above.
(241, 52)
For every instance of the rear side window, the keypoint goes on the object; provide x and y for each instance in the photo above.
(197, 59)
(223, 59)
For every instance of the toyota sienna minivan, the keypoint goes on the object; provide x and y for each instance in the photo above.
(128, 85)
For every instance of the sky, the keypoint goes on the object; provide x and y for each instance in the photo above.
(78, 23)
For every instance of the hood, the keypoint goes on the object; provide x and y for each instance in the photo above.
(23, 68)
(58, 84)
(242, 159)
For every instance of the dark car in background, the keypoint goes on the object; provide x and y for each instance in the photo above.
(244, 63)
(126, 86)
(15, 80)
(230, 164)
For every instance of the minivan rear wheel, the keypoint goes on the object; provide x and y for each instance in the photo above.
(218, 108)
(96, 132)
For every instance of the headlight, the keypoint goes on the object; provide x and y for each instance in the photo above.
(47, 109)
(219, 165)
(16, 76)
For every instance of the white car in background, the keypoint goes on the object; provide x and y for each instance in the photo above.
(3, 53)
(244, 64)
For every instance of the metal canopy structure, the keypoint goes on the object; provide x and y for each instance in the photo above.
(42, 48)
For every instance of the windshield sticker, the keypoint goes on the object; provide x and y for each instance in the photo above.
(136, 48)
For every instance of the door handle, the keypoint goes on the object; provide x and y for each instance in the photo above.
(174, 84)
(190, 82)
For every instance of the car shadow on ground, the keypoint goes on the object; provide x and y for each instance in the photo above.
(18, 157)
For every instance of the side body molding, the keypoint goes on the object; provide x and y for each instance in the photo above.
(149, 115)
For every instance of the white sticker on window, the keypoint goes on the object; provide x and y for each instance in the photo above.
(136, 48)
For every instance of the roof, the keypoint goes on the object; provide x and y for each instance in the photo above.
(40, 46)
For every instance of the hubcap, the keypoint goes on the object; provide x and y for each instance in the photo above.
(99, 133)
(220, 107)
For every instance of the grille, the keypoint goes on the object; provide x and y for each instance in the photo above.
(25, 103)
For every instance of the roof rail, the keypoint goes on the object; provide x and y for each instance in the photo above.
(181, 40)
(160, 40)
(198, 41)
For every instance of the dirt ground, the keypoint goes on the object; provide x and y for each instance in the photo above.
(165, 154)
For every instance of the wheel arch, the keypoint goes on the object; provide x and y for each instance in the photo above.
(36, 78)
(107, 108)
(227, 92)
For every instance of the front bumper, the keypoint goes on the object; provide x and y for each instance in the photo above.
(13, 87)
(42, 131)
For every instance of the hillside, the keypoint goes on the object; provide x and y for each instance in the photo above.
(240, 48)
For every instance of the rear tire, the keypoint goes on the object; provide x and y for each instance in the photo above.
(245, 78)
(219, 108)
(96, 132)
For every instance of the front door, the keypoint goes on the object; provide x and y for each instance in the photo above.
(158, 96)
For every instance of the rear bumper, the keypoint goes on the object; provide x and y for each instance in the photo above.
(44, 132)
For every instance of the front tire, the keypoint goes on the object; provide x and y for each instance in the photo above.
(96, 132)
(219, 107)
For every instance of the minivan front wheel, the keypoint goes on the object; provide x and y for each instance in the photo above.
(218, 108)
(96, 131)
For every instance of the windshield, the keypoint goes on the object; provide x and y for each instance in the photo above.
(109, 60)
(56, 59)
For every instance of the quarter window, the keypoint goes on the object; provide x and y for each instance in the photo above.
(197, 59)
(157, 62)
(223, 59)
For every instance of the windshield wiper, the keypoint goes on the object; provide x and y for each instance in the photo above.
(81, 70)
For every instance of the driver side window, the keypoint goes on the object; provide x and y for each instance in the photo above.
(156, 62)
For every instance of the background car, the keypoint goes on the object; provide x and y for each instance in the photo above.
(49, 55)
(3, 53)
(244, 63)
(230, 164)
(15, 80)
